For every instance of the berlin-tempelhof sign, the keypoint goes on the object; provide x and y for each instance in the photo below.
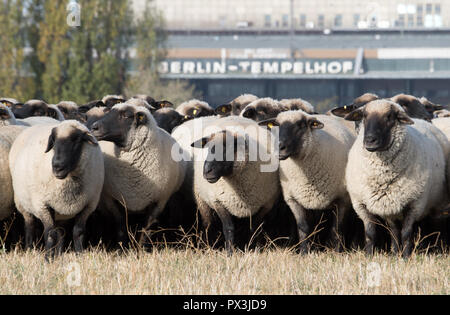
(256, 67)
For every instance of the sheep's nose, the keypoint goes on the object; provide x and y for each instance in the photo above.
(371, 139)
(282, 146)
(95, 126)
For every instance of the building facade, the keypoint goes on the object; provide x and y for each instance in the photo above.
(317, 14)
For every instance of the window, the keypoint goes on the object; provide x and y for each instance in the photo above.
(410, 20)
(338, 20)
(285, 20)
(401, 20)
(437, 9)
(302, 20)
(429, 8)
(419, 20)
(267, 20)
(419, 9)
(321, 21)
(356, 18)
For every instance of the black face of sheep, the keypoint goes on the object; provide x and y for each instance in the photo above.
(110, 102)
(217, 165)
(261, 111)
(67, 150)
(86, 107)
(116, 125)
(379, 119)
(4, 114)
(168, 119)
(291, 135)
(198, 112)
(33, 108)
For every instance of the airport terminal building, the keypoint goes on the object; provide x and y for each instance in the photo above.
(326, 66)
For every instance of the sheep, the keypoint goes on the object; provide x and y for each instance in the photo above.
(111, 100)
(262, 109)
(141, 102)
(94, 114)
(394, 171)
(296, 104)
(195, 108)
(70, 111)
(57, 114)
(7, 136)
(141, 174)
(228, 180)
(150, 100)
(33, 108)
(357, 103)
(39, 120)
(83, 109)
(235, 107)
(168, 118)
(9, 102)
(441, 113)
(412, 106)
(429, 106)
(57, 174)
(312, 178)
(6, 116)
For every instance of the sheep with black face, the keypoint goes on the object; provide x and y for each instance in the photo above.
(141, 174)
(395, 171)
(227, 180)
(313, 150)
(262, 109)
(298, 104)
(169, 118)
(70, 111)
(34, 108)
(235, 107)
(57, 174)
(195, 108)
(111, 100)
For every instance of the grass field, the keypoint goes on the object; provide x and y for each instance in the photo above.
(192, 271)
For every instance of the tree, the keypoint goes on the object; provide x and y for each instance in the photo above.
(150, 50)
(13, 76)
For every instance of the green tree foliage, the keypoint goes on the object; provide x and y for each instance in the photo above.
(85, 62)
(150, 50)
(13, 76)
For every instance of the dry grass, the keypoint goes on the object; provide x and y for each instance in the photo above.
(190, 271)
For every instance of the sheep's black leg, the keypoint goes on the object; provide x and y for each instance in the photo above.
(119, 220)
(79, 228)
(337, 234)
(406, 233)
(370, 233)
(302, 224)
(227, 227)
(30, 229)
(152, 218)
(394, 231)
(53, 237)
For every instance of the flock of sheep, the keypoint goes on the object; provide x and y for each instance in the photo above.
(383, 159)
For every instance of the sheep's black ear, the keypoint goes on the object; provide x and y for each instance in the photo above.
(186, 118)
(89, 138)
(313, 123)
(356, 115)
(201, 143)
(343, 111)
(195, 112)
(223, 110)
(51, 112)
(51, 141)
(141, 119)
(4, 114)
(249, 112)
(269, 123)
(403, 118)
